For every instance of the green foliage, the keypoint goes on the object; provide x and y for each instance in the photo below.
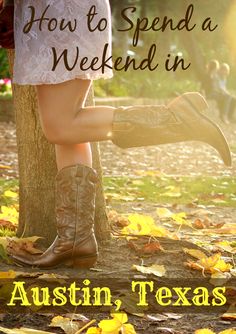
(206, 45)
(8, 185)
(144, 84)
(219, 191)
(4, 70)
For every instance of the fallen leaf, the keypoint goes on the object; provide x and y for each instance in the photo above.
(51, 277)
(204, 331)
(172, 191)
(164, 213)
(117, 324)
(66, 324)
(180, 218)
(201, 223)
(11, 194)
(7, 225)
(233, 272)
(23, 330)
(144, 225)
(165, 330)
(151, 248)
(155, 269)
(22, 246)
(210, 264)
(230, 314)
(156, 318)
(119, 197)
(195, 253)
(9, 213)
(94, 330)
(174, 316)
(219, 278)
(77, 317)
(5, 167)
(117, 219)
(7, 274)
(225, 246)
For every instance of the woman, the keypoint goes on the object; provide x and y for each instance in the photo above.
(71, 127)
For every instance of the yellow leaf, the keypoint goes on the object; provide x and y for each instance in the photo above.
(225, 245)
(120, 316)
(144, 225)
(223, 266)
(195, 253)
(94, 330)
(229, 331)
(9, 193)
(180, 218)
(112, 326)
(5, 167)
(157, 270)
(209, 262)
(164, 213)
(129, 329)
(7, 274)
(204, 331)
(9, 213)
(116, 325)
(172, 192)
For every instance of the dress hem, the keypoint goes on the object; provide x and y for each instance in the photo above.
(53, 82)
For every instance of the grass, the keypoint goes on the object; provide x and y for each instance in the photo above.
(180, 190)
(218, 191)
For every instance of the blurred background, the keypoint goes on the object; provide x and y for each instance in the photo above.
(197, 47)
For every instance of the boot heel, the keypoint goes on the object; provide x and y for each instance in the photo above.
(86, 262)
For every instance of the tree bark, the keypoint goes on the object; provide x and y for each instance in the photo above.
(37, 167)
(37, 170)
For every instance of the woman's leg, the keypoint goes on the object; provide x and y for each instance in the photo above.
(65, 120)
(68, 124)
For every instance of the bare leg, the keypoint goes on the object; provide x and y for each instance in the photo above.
(69, 155)
(68, 124)
(64, 118)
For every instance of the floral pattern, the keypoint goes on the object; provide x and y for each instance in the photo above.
(33, 50)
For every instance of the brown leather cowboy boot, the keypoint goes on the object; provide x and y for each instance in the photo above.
(181, 120)
(75, 244)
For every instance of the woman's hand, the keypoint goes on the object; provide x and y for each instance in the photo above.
(7, 26)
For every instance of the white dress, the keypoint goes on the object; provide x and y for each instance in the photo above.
(37, 51)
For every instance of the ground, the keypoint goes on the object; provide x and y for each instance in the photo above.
(172, 164)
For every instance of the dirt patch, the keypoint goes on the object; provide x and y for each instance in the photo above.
(115, 263)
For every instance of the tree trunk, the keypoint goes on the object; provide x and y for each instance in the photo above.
(37, 170)
(37, 167)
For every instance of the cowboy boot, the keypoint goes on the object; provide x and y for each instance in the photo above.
(75, 244)
(181, 120)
